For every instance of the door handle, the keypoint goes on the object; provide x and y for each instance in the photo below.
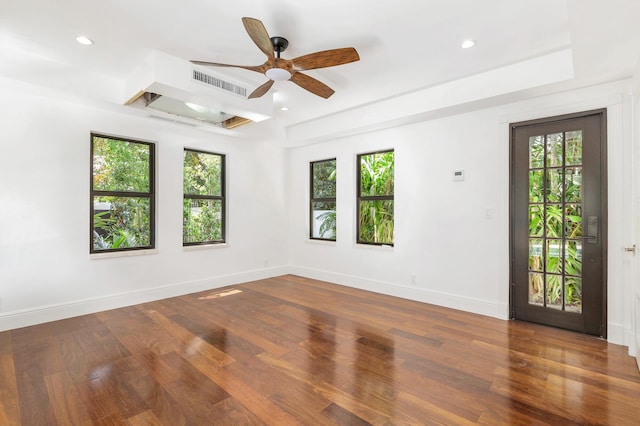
(592, 230)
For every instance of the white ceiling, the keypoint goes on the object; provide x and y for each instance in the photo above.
(404, 45)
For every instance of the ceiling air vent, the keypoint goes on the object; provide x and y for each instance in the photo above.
(220, 84)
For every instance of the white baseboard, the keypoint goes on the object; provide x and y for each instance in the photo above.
(617, 334)
(634, 340)
(477, 306)
(41, 314)
(629, 341)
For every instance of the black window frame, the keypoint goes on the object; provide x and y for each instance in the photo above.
(319, 200)
(151, 194)
(360, 197)
(222, 198)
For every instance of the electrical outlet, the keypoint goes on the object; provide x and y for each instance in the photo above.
(266, 263)
(413, 279)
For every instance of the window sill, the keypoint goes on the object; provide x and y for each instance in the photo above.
(205, 247)
(98, 256)
(383, 247)
(320, 242)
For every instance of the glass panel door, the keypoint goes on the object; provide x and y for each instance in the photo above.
(558, 222)
(555, 220)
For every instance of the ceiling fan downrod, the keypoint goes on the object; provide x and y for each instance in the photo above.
(279, 44)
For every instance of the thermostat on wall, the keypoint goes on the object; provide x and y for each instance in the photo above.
(458, 175)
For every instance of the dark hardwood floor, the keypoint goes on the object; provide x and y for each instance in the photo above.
(291, 350)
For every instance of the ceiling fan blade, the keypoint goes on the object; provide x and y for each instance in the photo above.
(215, 64)
(326, 58)
(312, 85)
(260, 91)
(259, 35)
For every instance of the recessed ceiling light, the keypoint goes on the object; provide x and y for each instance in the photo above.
(284, 109)
(84, 40)
(468, 44)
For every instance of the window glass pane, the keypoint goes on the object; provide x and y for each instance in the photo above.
(573, 141)
(120, 166)
(536, 287)
(554, 185)
(554, 221)
(324, 179)
(376, 174)
(202, 220)
(573, 294)
(536, 186)
(376, 222)
(323, 216)
(536, 152)
(536, 257)
(536, 220)
(554, 150)
(202, 173)
(573, 221)
(554, 291)
(121, 222)
(554, 262)
(573, 184)
(573, 258)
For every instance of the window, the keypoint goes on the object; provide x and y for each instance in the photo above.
(323, 200)
(122, 194)
(375, 198)
(204, 199)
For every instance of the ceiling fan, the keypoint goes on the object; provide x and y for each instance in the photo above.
(279, 69)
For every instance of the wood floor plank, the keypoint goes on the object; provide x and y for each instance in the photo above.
(231, 412)
(35, 356)
(194, 392)
(292, 350)
(67, 406)
(146, 418)
(190, 344)
(9, 407)
(259, 405)
(100, 404)
(339, 415)
(119, 378)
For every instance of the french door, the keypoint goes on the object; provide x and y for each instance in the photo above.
(558, 222)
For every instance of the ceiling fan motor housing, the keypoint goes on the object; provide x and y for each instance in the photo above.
(280, 44)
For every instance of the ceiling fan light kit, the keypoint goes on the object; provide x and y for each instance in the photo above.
(278, 74)
(279, 69)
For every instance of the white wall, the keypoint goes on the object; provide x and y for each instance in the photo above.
(45, 268)
(453, 236)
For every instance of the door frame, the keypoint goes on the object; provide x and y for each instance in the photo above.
(602, 113)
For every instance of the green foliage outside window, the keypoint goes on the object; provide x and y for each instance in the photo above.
(323, 200)
(375, 203)
(203, 205)
(121, 194)
(119, 165)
